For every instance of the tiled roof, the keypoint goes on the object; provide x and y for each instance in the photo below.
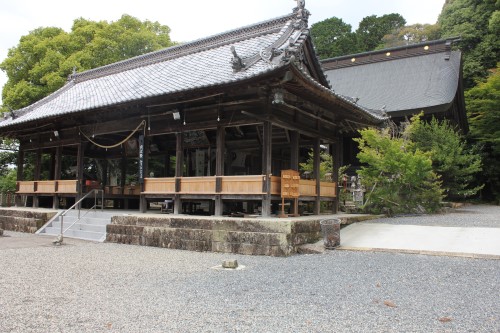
(262, 47)
(202, 63)
(406, 83)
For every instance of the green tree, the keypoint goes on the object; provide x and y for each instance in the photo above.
(43, 59)
(455, 162)
(8, 181)
(411, 34)
(483, 107)
(325, 166)
(398, 177)
(372, 29)
(477, 22)
(333, 37)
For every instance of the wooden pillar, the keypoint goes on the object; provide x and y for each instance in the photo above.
(36, 176)
(143, 205)
(267, 167)
(336, 152)
(317, 176)
(179, 167)
(79, 172)
(294, 153)
(57, 159)
(219, 168)
(20, 174)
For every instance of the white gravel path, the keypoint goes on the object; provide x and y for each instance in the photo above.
(95, 287)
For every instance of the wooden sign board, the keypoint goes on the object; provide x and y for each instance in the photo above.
(290, 180)
(290, 184)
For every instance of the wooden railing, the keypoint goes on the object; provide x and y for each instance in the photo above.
(47, 187)
(307, 187)
(251, 184)
(197, 185)
(231, 185)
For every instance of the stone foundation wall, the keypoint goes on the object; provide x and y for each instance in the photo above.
(24, 220)
(242, 236)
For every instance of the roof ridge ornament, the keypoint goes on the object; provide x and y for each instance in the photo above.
(302, 15)
(237, 62)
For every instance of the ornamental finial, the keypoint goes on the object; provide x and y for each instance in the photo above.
(302, 14)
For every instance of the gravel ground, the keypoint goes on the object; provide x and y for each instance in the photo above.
(484, 216)
(95, 287)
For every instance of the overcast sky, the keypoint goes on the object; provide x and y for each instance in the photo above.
(193, 19)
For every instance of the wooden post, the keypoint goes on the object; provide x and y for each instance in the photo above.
(38, 167)
(294, 153)
(20, 173)
(267, 167)
(143, 204)
(317, 176)
(179, 167)
(57, 174)
(219, 168)
(294, 164)
(79, 172)
(337, 163)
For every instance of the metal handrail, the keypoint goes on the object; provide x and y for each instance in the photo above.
(77, 204)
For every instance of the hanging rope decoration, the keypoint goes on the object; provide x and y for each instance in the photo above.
(143, 123)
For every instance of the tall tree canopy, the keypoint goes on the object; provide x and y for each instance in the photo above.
(411, 34)
(333, 37)
(483, 107)
(477, 22)
(372, 29)
(43, 59)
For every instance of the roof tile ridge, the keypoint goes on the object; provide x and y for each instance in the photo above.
(395, 48)
(221, 39)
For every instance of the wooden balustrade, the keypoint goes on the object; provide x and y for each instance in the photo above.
(230, 185)
(198, 185)
(275, 185)
(328, 190)
(307, 187)
(47, 187)
(159, 185)
(251, 184)
(25, 187)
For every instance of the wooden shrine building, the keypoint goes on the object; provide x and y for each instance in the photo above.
(208, 124)
(401, 82)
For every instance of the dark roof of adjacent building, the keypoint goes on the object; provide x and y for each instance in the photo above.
(399, 81)
(226, 58)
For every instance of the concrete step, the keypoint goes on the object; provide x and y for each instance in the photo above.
(80, 234)
(80, 226)
(92, 226)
